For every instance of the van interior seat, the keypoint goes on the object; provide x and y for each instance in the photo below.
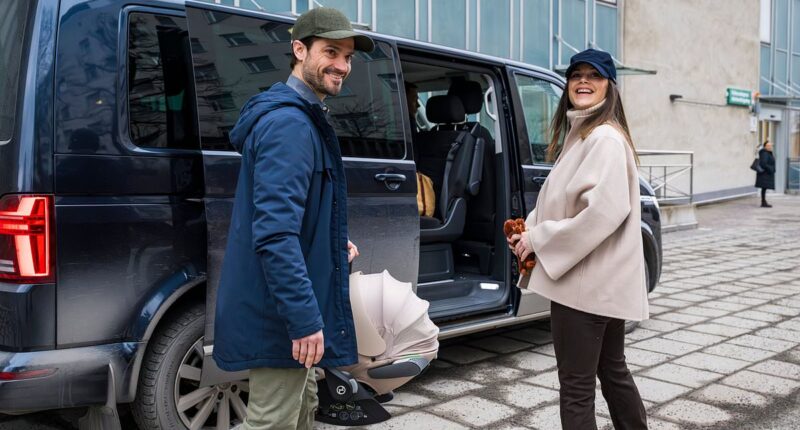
(433, 145)
(481, 227)
(452, 158)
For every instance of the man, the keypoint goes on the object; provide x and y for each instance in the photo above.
(412, 101)
(283, 301)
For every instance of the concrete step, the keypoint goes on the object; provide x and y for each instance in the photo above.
(677, 217)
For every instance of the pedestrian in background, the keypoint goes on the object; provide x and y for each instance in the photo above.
(586, 236)
(283, 303)
(765, 177)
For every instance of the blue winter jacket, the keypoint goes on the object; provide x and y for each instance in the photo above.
(284, 274)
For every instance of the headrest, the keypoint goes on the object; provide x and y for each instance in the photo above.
(470, 94)
(445, 109)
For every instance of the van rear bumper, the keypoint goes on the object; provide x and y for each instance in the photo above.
(82, 377)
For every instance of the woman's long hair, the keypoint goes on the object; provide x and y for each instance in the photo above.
(611, 112)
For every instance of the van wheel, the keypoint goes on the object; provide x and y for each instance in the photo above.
(631, 325)
(169, 395)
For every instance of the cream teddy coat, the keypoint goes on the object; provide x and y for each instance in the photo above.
(585, 229)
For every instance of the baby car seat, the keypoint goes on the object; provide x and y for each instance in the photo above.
(396, 342)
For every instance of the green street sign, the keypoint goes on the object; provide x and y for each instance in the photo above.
(737, 97)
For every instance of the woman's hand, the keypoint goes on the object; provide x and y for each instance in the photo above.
(352, 251)
(522, 247)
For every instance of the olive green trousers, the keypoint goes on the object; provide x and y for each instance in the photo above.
(281, 399)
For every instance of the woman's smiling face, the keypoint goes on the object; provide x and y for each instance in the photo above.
(586, 87)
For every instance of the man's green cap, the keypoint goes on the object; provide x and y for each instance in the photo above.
(329, 23)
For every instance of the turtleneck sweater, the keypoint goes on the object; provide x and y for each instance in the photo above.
(576, 118)
(585, 229)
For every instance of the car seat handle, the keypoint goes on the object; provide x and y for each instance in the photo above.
(342, 386)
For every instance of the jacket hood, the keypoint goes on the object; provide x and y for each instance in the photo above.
(277, 96)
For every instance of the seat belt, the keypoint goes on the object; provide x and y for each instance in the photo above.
(451, 156)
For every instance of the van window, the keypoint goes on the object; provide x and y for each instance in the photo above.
(160, 95)
(539, 101)
(240, 57)
(12, 29)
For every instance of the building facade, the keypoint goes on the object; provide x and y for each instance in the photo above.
(779, 106)
(541, 32)
(698, 51)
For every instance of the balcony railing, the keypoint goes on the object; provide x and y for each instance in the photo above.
(670, 173)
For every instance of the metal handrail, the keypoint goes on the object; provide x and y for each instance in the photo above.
(793, 176)
(664, 177)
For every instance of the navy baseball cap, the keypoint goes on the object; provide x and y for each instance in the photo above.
(600, 60)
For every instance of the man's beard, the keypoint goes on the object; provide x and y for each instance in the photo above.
(317, 82)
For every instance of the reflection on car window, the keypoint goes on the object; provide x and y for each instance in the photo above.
(12, 27)
(159, 83)
(240, 57)
(539, 102)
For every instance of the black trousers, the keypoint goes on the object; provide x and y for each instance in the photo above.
(591, 346)
(763, 196)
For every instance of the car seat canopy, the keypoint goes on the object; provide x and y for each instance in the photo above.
(392, 326)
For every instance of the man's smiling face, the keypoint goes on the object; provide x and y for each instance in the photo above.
(326, 64)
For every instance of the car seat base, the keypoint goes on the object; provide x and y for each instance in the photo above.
(360, 410)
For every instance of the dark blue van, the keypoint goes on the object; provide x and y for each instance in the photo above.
(117, 177)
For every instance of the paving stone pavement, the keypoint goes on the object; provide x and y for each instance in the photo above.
(721, 351)
(722, 346)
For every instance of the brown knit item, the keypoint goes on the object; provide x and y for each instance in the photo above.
(517, 226)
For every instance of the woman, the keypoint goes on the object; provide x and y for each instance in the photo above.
(765, 178)
(588, 246)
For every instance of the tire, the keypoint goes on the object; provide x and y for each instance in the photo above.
(631, 325)
(170, 376)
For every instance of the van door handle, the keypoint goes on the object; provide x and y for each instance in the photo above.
(539, 180)
(390, 177)
(391, 180)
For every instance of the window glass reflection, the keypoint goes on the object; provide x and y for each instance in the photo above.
(607, 29)
(539, 102)
(495, 35)
(536, 32)
(449, 18)
(160, 99)
(366, 114)
(573, 27)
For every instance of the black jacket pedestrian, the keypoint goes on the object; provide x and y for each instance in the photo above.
(766, 179)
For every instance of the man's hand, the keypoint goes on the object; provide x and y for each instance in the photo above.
(352, 251)
(308, 350)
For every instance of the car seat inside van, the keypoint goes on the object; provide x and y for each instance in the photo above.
(459, 267)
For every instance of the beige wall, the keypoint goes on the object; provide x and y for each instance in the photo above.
(699, 48)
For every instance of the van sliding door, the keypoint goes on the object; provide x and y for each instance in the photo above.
(238, 54)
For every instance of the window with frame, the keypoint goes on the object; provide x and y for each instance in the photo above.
(539, 101)
(366, 115)
(161, 110)
(206, 72)
(221, 102)
(237, 39)
(258, 64)
(276, 32)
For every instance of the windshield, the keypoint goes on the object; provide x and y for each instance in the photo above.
(12, 31)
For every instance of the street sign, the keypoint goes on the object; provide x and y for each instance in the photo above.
(737, 97)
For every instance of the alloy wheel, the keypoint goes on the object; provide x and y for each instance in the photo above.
(218, 407)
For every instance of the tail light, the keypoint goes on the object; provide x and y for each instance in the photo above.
(26, 374)
(26, 239)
